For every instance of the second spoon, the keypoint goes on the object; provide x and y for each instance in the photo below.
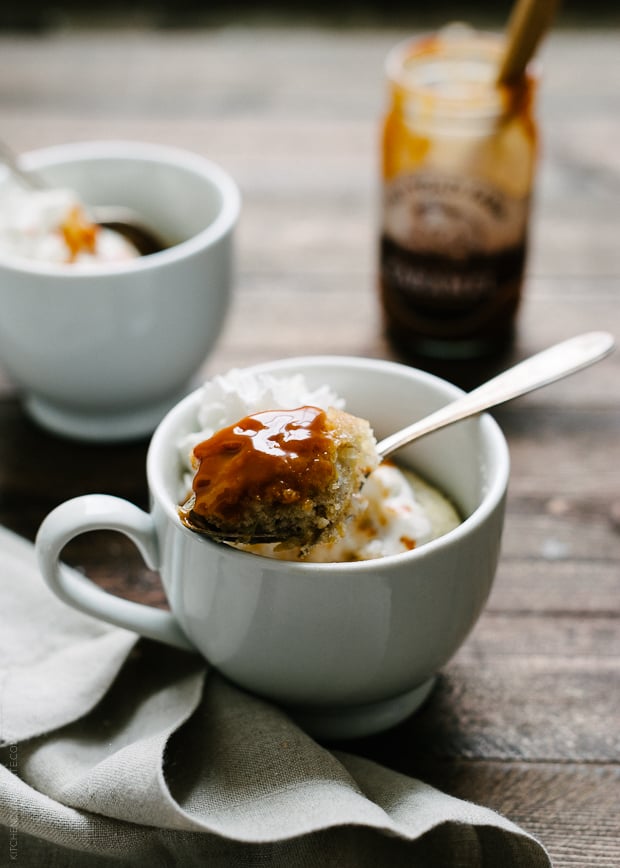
(120, 219)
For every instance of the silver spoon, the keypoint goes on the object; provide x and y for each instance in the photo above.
(123, 220)
(539, 370)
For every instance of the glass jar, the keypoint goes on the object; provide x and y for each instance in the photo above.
(459, 157)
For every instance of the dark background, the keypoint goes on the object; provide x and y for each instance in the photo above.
(37, 15)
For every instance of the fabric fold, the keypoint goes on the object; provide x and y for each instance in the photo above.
(55, 663)
(119, 753)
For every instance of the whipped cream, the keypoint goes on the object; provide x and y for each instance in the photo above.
(33, 224)
(397, 510)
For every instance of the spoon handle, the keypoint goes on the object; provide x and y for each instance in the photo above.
(528, 23)
(11, 161)
(539, 370)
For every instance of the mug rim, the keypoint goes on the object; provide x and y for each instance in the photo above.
(490, 501)
(145, 152)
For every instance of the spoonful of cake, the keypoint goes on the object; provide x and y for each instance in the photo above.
(293, 476)
(288, 476)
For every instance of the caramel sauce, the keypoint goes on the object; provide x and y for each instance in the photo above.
(275, 456)
(79, 234)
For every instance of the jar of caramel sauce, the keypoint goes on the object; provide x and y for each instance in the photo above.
(459, 159)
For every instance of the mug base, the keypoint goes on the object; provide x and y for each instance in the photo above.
(358, 721)
(99, 426)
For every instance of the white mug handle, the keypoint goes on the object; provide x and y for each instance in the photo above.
(104, 512)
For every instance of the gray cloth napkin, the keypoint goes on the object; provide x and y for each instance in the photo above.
(116, 751)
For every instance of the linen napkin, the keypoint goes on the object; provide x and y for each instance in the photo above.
(122, 752)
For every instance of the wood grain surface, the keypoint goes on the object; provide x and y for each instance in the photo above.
(526, 718)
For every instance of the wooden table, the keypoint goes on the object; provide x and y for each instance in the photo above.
(526, 718)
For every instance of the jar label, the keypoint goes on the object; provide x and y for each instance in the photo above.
(453, 251)
(457, 216)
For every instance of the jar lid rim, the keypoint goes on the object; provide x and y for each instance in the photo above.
(483, 99)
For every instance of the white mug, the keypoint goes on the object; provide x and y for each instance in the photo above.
(103, 352)
(348, 648)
